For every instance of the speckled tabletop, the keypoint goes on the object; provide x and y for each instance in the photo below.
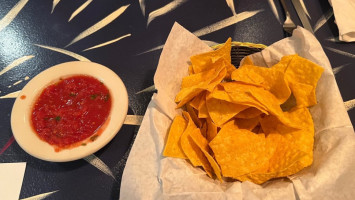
(127, 37)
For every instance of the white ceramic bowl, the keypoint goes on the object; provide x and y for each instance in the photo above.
(21, 111)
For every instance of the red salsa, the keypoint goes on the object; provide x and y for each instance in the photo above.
(71, 111)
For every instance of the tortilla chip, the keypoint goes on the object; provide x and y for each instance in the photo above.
(205, 59)
(221, 111)
(173, 147)
(283, 162)
(203, 129)
(191, 70)
(202, 143)
(248, 124)
(272, 79)
(243, 94)
(211, 130)
(249, 113)
(193, 115)
(199, 151)
(238, 151)
(293, 148)
(194, 84)
(246, 61)
(195, 102)
(191, 152)
(202, 108)
(302, 76)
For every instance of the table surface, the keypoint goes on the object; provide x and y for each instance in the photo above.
(36, 37)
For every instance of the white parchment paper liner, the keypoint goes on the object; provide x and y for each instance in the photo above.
(149, 175)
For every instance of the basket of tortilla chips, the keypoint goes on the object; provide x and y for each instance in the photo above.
(248, 123)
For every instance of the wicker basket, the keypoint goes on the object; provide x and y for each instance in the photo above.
(241, 49)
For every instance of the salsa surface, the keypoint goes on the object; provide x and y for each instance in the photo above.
(71, 111)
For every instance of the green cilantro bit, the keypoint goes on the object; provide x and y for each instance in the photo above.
(73, 94)
(57, 118)
(93, 96)
(107, 97)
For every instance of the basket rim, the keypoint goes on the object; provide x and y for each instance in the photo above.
(244, 44)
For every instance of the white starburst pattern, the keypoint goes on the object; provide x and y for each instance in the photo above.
(99, 164)
(10, 16)
(344, 53)
(11, 95)
(339, 68)
(18, 82)
(305, 8)
(274, 10)
(333, 39)
(349, 104)
(40, 196)
(81, 8)
(55, 3)
(63, 51)
(107, 43)
(226, 22)
(142, 6)
(133, 120)
(230, 4)
(148, 89)
(99, 25)
(323, 19)
(152, 49)
(164, 10)
(16, 63)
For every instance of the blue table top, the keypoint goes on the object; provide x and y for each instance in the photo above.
(39, 28)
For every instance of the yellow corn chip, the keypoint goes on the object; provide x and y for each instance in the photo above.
(173, 147)
(203, 129)
(193, 115)
(248, 124)
(236, 93)
(246, 61)
(302, 76)
(195, 102)
(191, 152)
(202, 143)
(205, 59)
(194, 84)
(191, 70)
(211, 130)
(272, 79)
(221, 111)
(202, 108)
(249, 113)
(238, 151)
(205, 164)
